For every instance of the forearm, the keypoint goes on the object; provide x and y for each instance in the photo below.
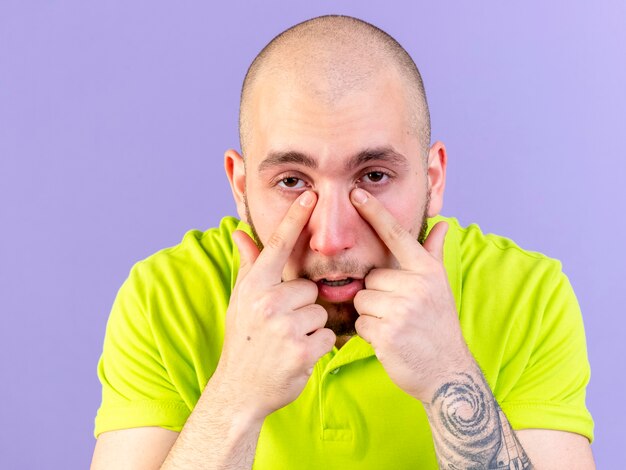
(217, 435)
(469, 428)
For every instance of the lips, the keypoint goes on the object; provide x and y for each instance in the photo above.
(339, 289)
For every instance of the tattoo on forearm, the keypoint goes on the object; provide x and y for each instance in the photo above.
(470, 430)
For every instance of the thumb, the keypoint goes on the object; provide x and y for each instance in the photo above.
(435, 240)
(248, 252)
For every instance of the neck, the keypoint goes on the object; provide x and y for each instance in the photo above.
(341, 340)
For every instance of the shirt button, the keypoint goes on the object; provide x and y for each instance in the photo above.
(334, 371)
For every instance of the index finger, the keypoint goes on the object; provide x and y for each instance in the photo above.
(402, 244)
(276, 251)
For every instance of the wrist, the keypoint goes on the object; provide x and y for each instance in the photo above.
(448, 374)
(228, 399)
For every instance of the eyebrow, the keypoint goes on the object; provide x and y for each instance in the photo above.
(277, 158)
(386, 154)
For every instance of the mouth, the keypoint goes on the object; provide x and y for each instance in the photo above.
(338, 289)
(337, 282)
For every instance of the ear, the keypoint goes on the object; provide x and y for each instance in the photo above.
(437, 162)
(236, 173)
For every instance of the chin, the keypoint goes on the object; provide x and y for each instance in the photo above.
(341, 318)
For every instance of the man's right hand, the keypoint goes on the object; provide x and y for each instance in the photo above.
(274, 329)
(274, 336)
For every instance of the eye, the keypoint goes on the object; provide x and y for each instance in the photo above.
(291, 182)
(374, 177)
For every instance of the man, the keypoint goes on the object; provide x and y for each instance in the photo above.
(350, 326)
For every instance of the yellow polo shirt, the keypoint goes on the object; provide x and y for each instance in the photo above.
(517, 310)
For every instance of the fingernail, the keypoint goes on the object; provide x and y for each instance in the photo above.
(359, 196)
(306, 199)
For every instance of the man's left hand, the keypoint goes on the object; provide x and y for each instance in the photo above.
(408, 315)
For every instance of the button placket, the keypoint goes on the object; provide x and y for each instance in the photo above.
(335, 425)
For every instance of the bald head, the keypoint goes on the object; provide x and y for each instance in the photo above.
(329, 57)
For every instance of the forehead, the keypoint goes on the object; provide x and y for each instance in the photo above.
(287, 116)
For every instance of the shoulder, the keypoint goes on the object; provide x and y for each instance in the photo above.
(177, 290)
(208, 252)
(165, 331)
(499, 284)
(199, 270)
(497, 257)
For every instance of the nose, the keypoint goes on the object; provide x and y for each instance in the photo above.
(334, 223)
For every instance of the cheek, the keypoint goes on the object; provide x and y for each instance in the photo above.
(405, 206)
(266, 212)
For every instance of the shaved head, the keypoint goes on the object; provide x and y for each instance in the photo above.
(329, 57)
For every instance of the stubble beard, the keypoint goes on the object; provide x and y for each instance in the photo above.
(342, 316)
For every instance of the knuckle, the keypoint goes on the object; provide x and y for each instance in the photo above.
(301, 353)
(359, 327)
(397, 231)
(362, 325)
(389, 335)
(395, 331)
(387, 277)
(405, 305)
(288, 329)
(318, 345)
(321, 314)
(266, 306)
(282, 329)
(292, 217)
(276, 241)
(359, 300)
(324, 343)
(373, 277)
(328, 339)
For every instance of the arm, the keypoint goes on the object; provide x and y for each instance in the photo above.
(471, 431)
(126, 448)
(469, 428)
(557, 449)
(216, 435)
(274, 335)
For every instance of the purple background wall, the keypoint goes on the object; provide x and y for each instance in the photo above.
(113, 121)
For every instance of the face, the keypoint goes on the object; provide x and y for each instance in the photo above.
(299, 142)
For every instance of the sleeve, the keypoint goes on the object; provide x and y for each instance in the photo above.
(550, 392)
(136, 389)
